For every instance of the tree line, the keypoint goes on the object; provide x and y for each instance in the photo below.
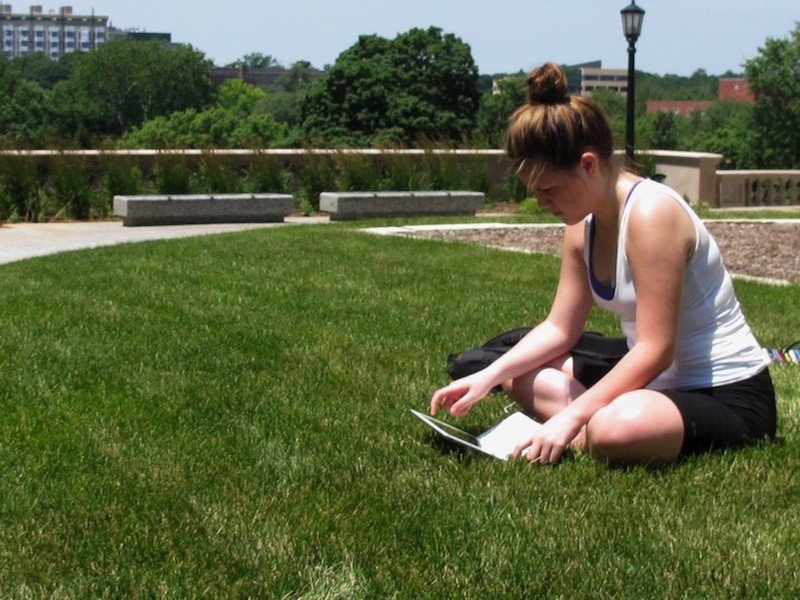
(421, 88)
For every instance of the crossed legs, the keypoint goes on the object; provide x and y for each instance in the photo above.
(639, 426)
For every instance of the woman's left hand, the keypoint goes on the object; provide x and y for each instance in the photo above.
(548, 443)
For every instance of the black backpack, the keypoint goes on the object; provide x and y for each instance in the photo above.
(461, 364)
(592, 346)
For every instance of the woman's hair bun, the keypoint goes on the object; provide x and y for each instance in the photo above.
(548, 85)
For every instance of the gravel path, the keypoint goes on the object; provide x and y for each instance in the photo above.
(753, 249)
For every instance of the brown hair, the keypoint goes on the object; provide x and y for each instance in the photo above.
(554, 129)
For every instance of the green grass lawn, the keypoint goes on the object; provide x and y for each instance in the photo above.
(227, 416)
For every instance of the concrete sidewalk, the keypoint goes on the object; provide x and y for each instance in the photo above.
(28, 240)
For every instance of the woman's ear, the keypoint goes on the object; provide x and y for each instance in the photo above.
(589, 163)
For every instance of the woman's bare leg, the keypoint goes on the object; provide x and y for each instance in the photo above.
(638, 427)
(546, 391)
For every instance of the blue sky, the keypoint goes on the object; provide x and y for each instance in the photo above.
(679, 36)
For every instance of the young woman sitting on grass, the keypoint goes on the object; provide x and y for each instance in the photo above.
(692, 375)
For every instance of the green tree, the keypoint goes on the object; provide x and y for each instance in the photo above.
(422, 84)
(615, 107)
(297, 77)
(727, 128)
(282, 100)
(231, 123)
(238, 96)
(495, 109)
(257, 60)
(699, 86)
(283, 106)
(24, 118)
(123, 84)
(774, 78)
(37, 67)
(660, 130)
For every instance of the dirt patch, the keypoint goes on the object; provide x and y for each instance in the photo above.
(770, 250)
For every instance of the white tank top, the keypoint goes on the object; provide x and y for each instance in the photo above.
(715, 345)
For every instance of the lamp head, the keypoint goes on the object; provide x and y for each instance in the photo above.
(632, 17)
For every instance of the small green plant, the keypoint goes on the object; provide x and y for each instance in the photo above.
(306, 207)
(42, 207)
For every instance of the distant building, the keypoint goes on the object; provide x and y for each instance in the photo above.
(134, 35)
(735, 89)
(256, 77)
(597, 78)
(272, 77)
(683, 108)
(730, 89)
(53, 34)
(587, 77)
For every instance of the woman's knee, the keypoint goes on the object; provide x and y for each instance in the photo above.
(637, 427)
(614, 425)
(543, 392)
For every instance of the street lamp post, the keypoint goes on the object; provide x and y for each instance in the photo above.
(632, 17)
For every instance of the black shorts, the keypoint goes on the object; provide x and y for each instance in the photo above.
(717, 417)
(728, 415)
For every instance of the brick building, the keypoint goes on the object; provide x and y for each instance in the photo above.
(730, 89)
(735, 89)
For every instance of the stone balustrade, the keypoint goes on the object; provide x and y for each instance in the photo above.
(758, 188)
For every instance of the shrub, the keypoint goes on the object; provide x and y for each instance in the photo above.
(403, 173)
(121, 176)
(317, 175)
(172, 175)
(20, 187)
(217, 175)
(72, 187)
(357, 172)
(444, 171)
(267, 174)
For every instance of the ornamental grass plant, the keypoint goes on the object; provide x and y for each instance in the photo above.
(228, 416)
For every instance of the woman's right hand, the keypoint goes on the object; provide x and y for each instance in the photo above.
(459, 397)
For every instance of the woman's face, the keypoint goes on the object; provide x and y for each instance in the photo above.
(563, 193)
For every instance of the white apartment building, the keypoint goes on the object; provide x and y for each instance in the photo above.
(53, 34)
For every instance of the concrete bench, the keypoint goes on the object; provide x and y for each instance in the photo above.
(344, 206)
(188, 209)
